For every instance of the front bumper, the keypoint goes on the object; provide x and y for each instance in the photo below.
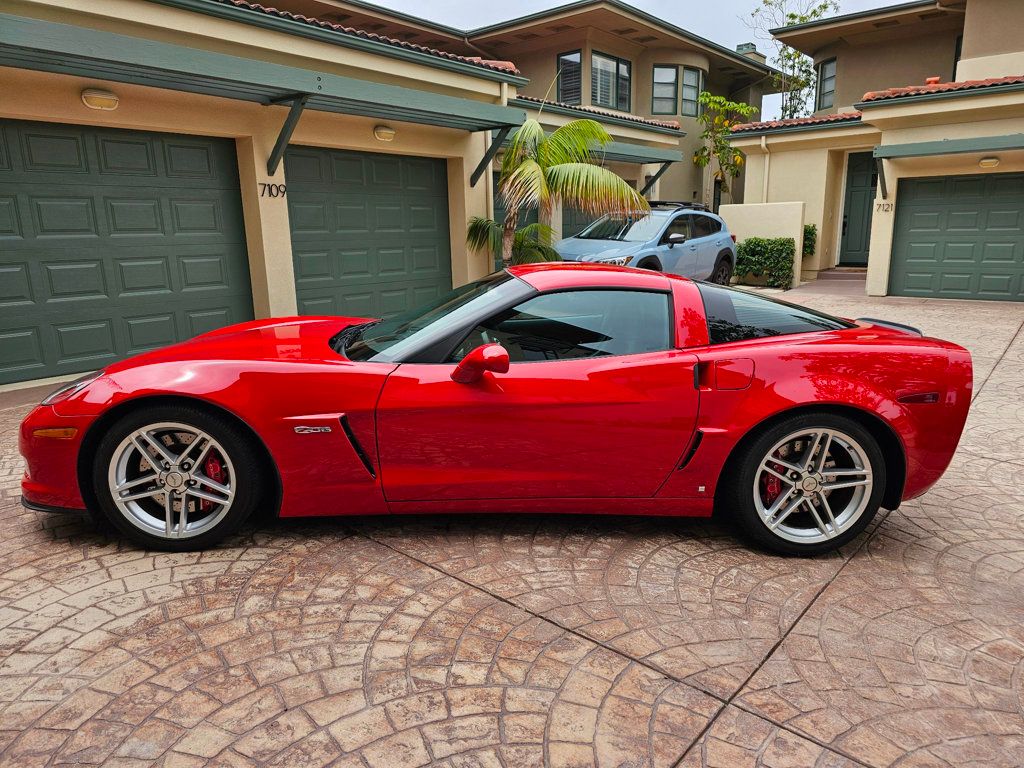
(51, 464)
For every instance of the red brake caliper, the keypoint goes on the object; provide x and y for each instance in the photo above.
(215, 471)
(771, 486)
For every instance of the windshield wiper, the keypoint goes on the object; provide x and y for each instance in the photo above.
(342, 340)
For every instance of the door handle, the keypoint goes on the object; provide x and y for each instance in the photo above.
(846, 221)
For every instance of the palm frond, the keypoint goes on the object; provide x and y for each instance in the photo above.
(579, 141)
(528, 249)
(523, 144)
(593, 189)
(525, 186)
(483, 235)
(541, 233)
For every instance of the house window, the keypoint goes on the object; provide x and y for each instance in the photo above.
(693, 83)
(609, 82)
(665, 94)
(826, 84)
(957, 53)
(570, 78)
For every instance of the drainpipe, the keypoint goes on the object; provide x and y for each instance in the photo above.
(767, 168)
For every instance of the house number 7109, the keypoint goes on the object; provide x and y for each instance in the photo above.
(272, 190)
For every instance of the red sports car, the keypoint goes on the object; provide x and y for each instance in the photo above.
(545, 388)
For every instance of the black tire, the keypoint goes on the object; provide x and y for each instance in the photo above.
(651, 263)
(241, 455)
(722, 273)
(737, 486)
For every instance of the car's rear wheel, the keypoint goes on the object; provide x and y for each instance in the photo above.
(806, 485)
(176, 478)
(723, 272)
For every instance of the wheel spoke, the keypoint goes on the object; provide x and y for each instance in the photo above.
(142, 439)
(209, 482)
(785, 464)
(183, 513)
(828, 511)
(831, 472)
(772, 525)
(169, 514)
(817, 519)
(146, 494)
(845, 484)
(201, 439)
(137, 481)
(808, 461)
(771, 471)
(201, 494)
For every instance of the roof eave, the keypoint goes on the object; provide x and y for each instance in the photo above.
(601, 117)
(300, 29)
(848, 17)
(991, 90)
(798, 128)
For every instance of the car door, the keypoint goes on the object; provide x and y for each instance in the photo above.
(705, 249)
(678, 259)
(597, 403)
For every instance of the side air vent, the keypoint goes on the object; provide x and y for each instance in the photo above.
(356, 446)
(694, 445)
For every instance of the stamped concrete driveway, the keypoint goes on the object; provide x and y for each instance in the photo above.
(519, 641)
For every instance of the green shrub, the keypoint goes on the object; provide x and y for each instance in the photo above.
(810, 239)
(770, 258)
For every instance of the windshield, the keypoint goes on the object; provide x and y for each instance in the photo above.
(625, 228)
(388, 340)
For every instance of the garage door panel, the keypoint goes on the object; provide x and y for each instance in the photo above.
(86, 253)
(370, 235)
(959, 237)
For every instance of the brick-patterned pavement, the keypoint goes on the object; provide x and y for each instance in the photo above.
(568, 641)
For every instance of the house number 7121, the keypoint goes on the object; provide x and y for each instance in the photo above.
(272, 190)
(879, 207)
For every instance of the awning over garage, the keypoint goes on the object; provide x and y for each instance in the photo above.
(53, 47)
(942, 147)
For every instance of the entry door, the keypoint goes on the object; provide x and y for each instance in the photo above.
(596, 404)
(861, 182)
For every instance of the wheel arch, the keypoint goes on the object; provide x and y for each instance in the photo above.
(726, 254)
(650, 257)
(91, 440)
(888, 442)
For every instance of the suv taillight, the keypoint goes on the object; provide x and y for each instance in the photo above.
(733, 238)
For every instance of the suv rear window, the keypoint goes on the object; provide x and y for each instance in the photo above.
(736, 316)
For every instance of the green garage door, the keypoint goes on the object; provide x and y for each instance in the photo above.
(960, 237)
(113, 242)
(369, 232)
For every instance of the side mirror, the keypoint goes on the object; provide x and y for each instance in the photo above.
(676, 238)
(487, 357)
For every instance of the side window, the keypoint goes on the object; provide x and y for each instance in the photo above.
(680, 225)
(715, 224)
(576, 324)
(736, 316)
(701, 226)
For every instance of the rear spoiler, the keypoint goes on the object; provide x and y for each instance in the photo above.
(889, 324)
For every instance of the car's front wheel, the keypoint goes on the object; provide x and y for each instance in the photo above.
(176, 478)
(806, 485)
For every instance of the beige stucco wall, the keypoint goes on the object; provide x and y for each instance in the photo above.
(28, 95)
(888, 63)
(992, 35)
(767, 220)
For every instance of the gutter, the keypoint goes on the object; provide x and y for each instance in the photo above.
(797, 129)
(988, 90)
(301, 29)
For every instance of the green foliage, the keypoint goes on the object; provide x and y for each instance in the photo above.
(717, 117)
(529, 244)
(539, 169)
(767, 257)
(810, 239)
(797, 80)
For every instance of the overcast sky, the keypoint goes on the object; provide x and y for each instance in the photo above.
(719, 20)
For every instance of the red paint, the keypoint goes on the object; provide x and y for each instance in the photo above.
(601, 435)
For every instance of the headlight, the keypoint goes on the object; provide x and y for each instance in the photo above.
(618, 261)
(71, 388)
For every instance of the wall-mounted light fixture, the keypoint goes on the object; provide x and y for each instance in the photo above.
(383, 133)
(95, 98)
(989, 162)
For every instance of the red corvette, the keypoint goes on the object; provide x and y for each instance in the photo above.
(547, 388)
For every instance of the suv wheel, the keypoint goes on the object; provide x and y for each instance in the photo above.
(723, 272)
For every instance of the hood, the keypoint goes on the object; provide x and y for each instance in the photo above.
(282, 338)
(579, 249)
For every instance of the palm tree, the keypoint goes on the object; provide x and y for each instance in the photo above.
(539, 169)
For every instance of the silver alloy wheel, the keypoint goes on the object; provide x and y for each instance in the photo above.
(813, 485)
(158, 480)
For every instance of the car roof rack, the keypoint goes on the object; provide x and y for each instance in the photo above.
(676, 204)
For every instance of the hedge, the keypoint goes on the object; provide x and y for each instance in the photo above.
(770, 258)
(810, 239)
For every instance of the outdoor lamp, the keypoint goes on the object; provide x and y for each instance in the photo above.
(95, 98)
(384, 133)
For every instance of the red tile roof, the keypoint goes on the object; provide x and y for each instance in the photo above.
(606, 112)
(797, 122)
(500, 66)
(928, 88)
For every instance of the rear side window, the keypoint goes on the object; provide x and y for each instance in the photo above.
(736, 316)
(715, 224)
(576, 324)
(702, 226)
